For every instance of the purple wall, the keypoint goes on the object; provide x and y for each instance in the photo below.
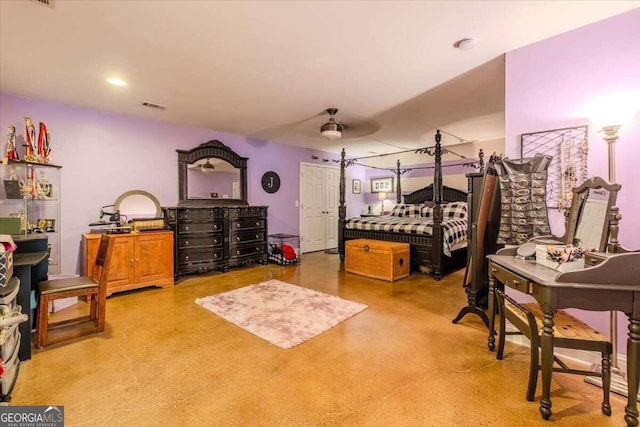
(104, 155)
(548, 86)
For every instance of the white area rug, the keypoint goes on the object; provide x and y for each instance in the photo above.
(280, 313)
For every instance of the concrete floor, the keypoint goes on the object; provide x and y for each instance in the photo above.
(164, 360)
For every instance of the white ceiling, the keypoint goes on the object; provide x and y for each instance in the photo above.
(264, 69)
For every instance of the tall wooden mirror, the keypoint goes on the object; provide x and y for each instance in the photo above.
(588, 222)
(212, 174)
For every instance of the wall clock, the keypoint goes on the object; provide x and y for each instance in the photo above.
(270, 182)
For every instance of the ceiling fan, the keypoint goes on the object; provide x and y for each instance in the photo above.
(333, 130)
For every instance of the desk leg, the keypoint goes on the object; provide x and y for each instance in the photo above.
(633, 373)
(546, 342)
(492, 312)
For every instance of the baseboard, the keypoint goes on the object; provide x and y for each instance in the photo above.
(587, 358)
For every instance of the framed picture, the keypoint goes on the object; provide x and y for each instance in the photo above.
(12, 189)
(382, 185)
(355, 186)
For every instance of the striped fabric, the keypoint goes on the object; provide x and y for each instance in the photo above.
(454, 231)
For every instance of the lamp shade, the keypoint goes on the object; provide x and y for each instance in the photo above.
(382, 196)
(331, 130)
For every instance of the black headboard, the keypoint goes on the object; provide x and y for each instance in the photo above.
(426, 195)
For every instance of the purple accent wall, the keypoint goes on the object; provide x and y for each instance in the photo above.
(548, 85)
(104, 155)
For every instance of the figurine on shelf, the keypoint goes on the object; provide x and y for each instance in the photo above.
(46, 151)
(30, 140)
(12, 153)
(43, 144)
(43, 187)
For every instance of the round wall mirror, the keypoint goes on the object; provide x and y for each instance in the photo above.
(138, 204)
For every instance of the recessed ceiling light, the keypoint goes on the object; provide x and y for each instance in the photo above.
(116, 82)
(465, 44)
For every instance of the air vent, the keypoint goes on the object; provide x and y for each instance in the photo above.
(47, 3)
(152, 105)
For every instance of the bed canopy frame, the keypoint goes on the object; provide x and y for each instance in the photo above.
(426, 251)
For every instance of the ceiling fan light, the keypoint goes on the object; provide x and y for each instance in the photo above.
(331, 130)
(207, 167)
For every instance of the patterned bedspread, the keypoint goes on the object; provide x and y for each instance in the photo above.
(454, 231)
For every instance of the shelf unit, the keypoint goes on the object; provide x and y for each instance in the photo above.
(31, 192)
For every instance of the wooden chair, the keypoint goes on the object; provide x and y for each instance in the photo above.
(568, 332)
(92, 287)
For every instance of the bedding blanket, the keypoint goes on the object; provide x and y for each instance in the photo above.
(454, 231)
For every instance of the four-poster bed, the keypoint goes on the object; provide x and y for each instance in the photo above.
(436, 232)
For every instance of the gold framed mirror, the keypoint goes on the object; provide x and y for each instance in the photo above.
(138, 204)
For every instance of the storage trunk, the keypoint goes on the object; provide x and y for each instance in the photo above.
(377, 259)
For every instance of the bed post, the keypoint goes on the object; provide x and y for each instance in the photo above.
(398, 189)
(342, 209)
(436, 246)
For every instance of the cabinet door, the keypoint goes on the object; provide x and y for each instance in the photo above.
(153, 257)
(122, 267)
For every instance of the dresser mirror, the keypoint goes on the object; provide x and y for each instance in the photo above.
(212, 174)
(588, 221)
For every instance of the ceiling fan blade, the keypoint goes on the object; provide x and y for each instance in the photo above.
(359, 128)
(286, 128)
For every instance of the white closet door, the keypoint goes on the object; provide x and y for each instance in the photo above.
(319, 187)
(332, 189)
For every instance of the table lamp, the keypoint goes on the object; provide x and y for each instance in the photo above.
(382, 197)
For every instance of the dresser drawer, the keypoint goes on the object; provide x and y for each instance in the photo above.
(247, 223)
(246, 250)
(186, 257)
(248, 211)
(247, 236)
(200, 214)
(509, 278)
(200, 242)
(591, 259)
(200, 227)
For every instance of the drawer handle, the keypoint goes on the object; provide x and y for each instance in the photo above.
(215, 241)
(258, 249)
(366, 248)
(237, 252)
(257, 236)
(186, 258)
(516, 282)
(131, 261)
(238, 238)
(186, 227)
(593, 261)
(215, 226)
(257, 223)
(494, 270)
(186, 243)
(215, 256)
(237, 225)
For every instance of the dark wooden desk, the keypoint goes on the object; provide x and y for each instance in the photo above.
(30, 265)
(612, 285)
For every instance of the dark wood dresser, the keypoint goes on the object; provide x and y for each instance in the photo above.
(212, 238)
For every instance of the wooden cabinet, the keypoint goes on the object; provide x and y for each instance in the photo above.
(217, 237)
(139, 260)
